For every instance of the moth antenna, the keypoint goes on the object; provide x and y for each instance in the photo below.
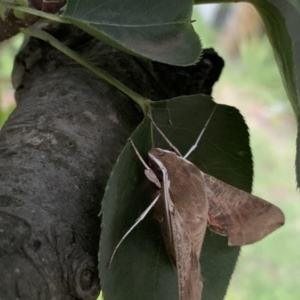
(139, 155)
(200, 135)
(165, 138)
(138, 220)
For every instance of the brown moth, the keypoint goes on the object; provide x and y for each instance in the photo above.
(188, 200)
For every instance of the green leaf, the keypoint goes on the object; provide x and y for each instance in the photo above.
(141, 268)
(158, 30)
(282, 23)
(155, 29)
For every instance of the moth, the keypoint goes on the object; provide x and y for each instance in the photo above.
(187, 201)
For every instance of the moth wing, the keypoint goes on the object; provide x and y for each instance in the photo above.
(244, 218)
(180, 247)
(187, 261)
(178, 238)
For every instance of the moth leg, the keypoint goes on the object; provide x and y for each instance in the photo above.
(148, 172)
(165, 138)
(138, 220)
(200, 135)
(139, 155)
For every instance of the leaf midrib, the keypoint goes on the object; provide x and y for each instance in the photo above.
(127, 25)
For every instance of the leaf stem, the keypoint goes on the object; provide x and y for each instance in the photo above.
(139, 99)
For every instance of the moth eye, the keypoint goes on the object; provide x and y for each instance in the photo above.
(159, 174)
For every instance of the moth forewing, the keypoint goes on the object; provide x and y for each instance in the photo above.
(244, 218)
(183, 186)
(187, 261)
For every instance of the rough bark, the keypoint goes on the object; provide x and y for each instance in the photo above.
(56, 153)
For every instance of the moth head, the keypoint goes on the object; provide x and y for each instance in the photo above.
(155, 164)
(162, 155)
(159, 160)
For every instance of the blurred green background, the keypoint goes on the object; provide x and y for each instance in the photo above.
(269, 269)
(250, 81)
(8, 50)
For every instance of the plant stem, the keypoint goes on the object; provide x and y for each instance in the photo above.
(139, 99)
